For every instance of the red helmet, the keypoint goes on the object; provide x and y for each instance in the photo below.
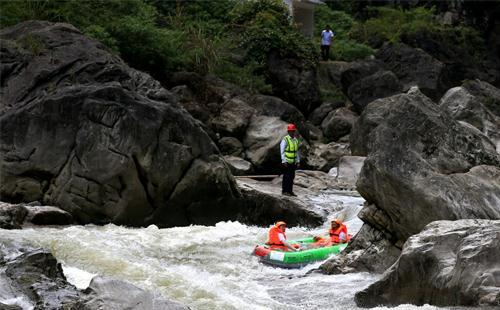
(291, 127)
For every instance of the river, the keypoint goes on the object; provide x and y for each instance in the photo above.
(204, 267)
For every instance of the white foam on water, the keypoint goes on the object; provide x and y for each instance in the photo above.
(22, 302)
(204, 267)
(78, 277)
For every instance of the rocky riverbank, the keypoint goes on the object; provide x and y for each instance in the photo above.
(105, 143)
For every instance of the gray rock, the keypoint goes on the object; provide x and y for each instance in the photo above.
(83, 131)
(38, 275)
(295, 81)
(358, 70)
(210, 191)
(319, 114)
(449, 263)
(414, 67)
(338, 123)
(113, 294)
(230, 146)
(331, 72)
(12, 216)
(238, 166)
(47, 215)
(381, 84)
(464, 106)
(233, 119)
(488, 94)
(262, 141)
(422, 166)
(266, 205)
(325, 156)
(275, 107)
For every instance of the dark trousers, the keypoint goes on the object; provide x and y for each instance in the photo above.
(288, 176)
(325, 52)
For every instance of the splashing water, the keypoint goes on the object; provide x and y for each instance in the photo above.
(204, 267)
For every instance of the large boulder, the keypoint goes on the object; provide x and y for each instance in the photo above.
(294, 81)
(338, 123)
(462, 105)
(266, 205)
(450, 263)
(358, 70)
(319, 114)
(238, 166)
(414, 67)
(275, 107)
(378, 85)
(37, 275)
(262, 141)
(83, 131)
(325, 156)
(47, 215)
(233, 118)
(230, 146)
(422, 166)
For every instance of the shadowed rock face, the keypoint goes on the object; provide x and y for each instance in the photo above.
(449, 263)
(421, 166)
(82, 130)
(424, 166)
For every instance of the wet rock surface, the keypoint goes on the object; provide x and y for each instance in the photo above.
(268, 204)
(449, 263)
(12, 216)
(83, 131)
(39, 276)
(107, 293)
(33, 278)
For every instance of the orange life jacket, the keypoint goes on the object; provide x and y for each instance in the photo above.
(335, 233)
(274, 236)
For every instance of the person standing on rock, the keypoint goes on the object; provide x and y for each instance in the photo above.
(326, 41)
(290, 159)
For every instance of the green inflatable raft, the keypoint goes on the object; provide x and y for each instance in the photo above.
(299, 259)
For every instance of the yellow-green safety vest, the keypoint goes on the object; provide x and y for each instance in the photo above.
(292, 146)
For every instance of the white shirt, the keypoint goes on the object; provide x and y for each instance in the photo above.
(281, 237)
(326, 37)
(342, 236)
(282, 150)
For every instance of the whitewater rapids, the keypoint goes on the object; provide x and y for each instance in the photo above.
(204, 267)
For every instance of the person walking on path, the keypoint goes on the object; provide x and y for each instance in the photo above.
(290, 159)
(326, 41)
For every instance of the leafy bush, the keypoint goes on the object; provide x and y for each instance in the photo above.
(248, 76)
(265, 26)
(388, 24)
(348, 50)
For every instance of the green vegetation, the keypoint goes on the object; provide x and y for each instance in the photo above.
(388, 24)
(230, 38)
(343, 48)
